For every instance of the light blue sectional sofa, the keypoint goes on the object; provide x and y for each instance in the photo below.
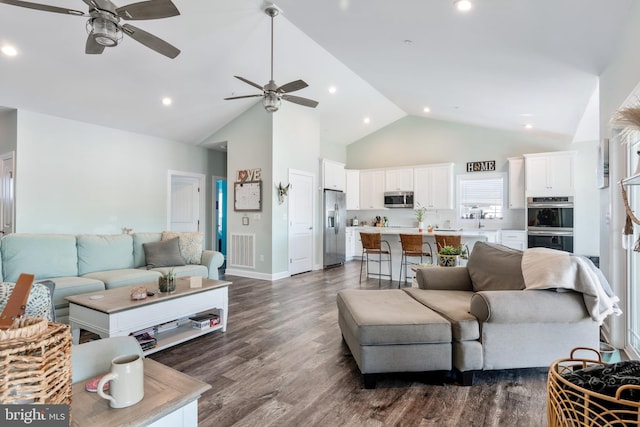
(90, 262)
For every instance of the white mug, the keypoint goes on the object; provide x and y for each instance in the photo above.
(127, 381)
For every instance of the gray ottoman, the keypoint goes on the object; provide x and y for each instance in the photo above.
(388, 331)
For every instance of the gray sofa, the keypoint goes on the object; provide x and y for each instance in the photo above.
(93, 262)
(494, 322)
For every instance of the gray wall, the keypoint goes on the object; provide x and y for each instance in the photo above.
(76, 177)
(249, 146)
(275, 143)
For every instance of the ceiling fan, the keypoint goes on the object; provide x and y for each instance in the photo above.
(104, 26)
(272, 93)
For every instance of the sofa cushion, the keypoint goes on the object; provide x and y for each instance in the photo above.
(67, 286)
(138, 250)
(43, 255)
(453, 306)
(125, 277)
(165, 253)
(190, 244)
(98, 252)
(494, 267)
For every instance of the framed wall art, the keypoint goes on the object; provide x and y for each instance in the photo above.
(247, 196)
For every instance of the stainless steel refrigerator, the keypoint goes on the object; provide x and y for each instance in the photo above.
(335, 221)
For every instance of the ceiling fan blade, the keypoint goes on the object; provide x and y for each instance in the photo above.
(151, 41)
(292, 86)
(100, 4)
(302, 101)
(154, 9)
(46, 8)
(93, 47)
(256, 85)
(243, 96)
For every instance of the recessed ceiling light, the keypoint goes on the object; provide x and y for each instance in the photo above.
(407, 41)
(166, 101)
(9, 50)
(526, 115)
(426, 109)
(528, 126)
(367, 120)
(333, 89)
(463, 5)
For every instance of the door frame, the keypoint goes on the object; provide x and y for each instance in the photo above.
(214, 219)
(10, 155)
(201, 194)
(313, 217)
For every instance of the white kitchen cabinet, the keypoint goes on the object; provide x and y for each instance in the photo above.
(333, 177)
(399, 179)
(516, 239)
(549, 174)
(372, 189)
(433, 186)
(357, 244)
(353, 189)
(516, 183)
(349, 235)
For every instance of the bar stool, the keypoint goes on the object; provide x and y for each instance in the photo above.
(412, 246)
(372, 245)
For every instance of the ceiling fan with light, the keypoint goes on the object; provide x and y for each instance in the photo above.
(104, 26)
(272, 93)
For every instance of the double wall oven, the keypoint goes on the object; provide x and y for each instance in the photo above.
(550, 222)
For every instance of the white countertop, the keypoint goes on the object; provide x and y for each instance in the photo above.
(414, 230)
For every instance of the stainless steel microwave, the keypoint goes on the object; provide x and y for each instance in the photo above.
(398, 199)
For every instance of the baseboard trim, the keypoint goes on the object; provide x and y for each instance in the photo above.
(257, 275)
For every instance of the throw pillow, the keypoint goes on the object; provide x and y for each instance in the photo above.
(165, 253)
(494, 267)
(190, 244)
(39, 302)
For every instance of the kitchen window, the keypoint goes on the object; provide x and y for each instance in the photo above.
(481, 196)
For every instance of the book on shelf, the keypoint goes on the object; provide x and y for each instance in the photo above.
(203, 321)
(146, 340)
(150, 330)
(167, 326)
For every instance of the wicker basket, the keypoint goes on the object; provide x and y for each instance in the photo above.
(35, 363)
(571, 405)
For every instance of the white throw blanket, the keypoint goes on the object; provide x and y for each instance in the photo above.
(544, 268)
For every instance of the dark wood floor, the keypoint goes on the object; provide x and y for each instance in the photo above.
(282, 363)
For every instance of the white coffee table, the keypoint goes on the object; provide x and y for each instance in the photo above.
(112, 313)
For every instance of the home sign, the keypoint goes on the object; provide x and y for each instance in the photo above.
(486, 166)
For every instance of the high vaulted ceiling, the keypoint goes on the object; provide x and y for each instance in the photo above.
(504, 64)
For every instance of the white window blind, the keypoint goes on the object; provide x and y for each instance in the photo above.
(480, 196)
(481, 192)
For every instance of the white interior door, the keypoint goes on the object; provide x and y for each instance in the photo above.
(7, 186)
(300, 222)
(185, 203)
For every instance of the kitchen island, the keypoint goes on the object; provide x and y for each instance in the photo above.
(392, 235)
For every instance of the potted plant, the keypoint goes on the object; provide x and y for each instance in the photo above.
(420, 210)
(449, 256)
(167, 282)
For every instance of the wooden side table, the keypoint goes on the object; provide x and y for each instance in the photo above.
(170, 399)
